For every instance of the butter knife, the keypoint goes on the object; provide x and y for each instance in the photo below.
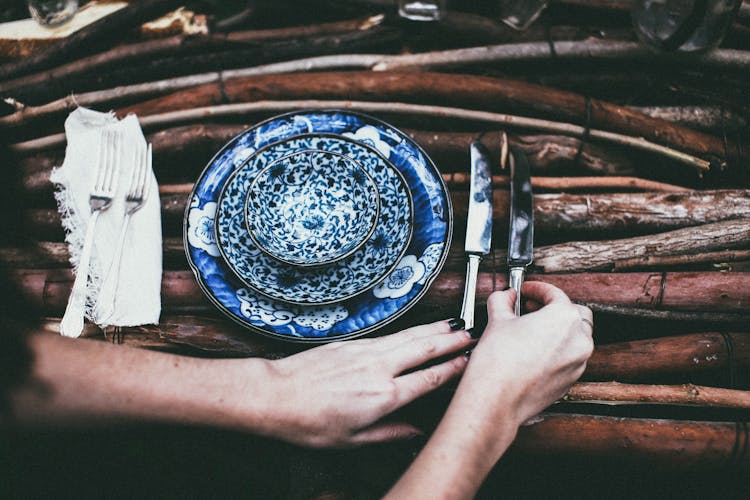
(521, 232)
(478, 226)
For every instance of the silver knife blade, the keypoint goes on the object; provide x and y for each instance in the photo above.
(521, 230)
(479, 220)
(478, 226)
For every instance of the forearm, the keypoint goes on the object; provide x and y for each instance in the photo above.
(459, 455)
(84, 381)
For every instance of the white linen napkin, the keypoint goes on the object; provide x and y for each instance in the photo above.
(138, 289)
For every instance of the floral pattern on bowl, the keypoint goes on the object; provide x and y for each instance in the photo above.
(312, 207)
(342, 279)
(358, 315)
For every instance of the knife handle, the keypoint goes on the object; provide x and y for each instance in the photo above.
(516, 276)
(470, 290)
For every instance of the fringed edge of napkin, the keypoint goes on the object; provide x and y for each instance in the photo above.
(74, 227)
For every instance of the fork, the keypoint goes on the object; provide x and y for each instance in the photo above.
(134, 200)
(99, 200)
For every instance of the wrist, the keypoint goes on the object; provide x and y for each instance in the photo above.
(458, 456)
(236, 394)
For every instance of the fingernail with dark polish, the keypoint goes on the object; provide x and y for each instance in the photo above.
(475, 334)
(456, 324)
(467, 354)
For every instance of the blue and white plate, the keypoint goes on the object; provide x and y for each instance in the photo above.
(334, 282)
(389, 299)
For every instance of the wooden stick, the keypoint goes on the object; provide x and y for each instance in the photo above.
(462, 179)
(619, 213)
(133, 14)
(466, 28)
(671, 443)
(588, 49)
(698, 117)
(661, 261)
(484, 93)
(212, 335)
(705, 291)
(547, 154)
(726, 319)
(651, 359)
(623, 6)
(688, 394)
(209, 112)
(235, 19)
(583, 256)
(601, 255)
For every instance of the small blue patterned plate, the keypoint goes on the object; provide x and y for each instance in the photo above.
(312, 207)
(363, 313)
(342, 279)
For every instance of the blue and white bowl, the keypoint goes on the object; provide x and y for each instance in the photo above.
(312, 207)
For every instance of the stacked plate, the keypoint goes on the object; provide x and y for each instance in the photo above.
(318, 226)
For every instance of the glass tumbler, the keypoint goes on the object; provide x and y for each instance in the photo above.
(683, 25)
(422, 10)
(519, 14)
(52, 12)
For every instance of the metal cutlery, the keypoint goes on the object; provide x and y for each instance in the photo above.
(478, 226)
(134, 200)
(99, 200)
(521, 231)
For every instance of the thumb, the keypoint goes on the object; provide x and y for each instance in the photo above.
(501, 305)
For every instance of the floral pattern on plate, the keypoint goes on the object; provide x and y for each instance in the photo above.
(322, 284)
(364, 312)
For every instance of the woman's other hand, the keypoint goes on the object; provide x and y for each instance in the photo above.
(336, 394)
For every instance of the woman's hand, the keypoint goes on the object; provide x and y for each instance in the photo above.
(333, 395)
(534, 358)
(336, 394)
(520, 366)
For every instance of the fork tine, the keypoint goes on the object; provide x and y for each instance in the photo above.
(146, 182)
(133, 188)
(101, 167)
(106, 161)
(114, 162)
(142, 171)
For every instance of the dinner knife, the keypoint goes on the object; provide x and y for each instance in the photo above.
(478, 226)
(521, 231)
